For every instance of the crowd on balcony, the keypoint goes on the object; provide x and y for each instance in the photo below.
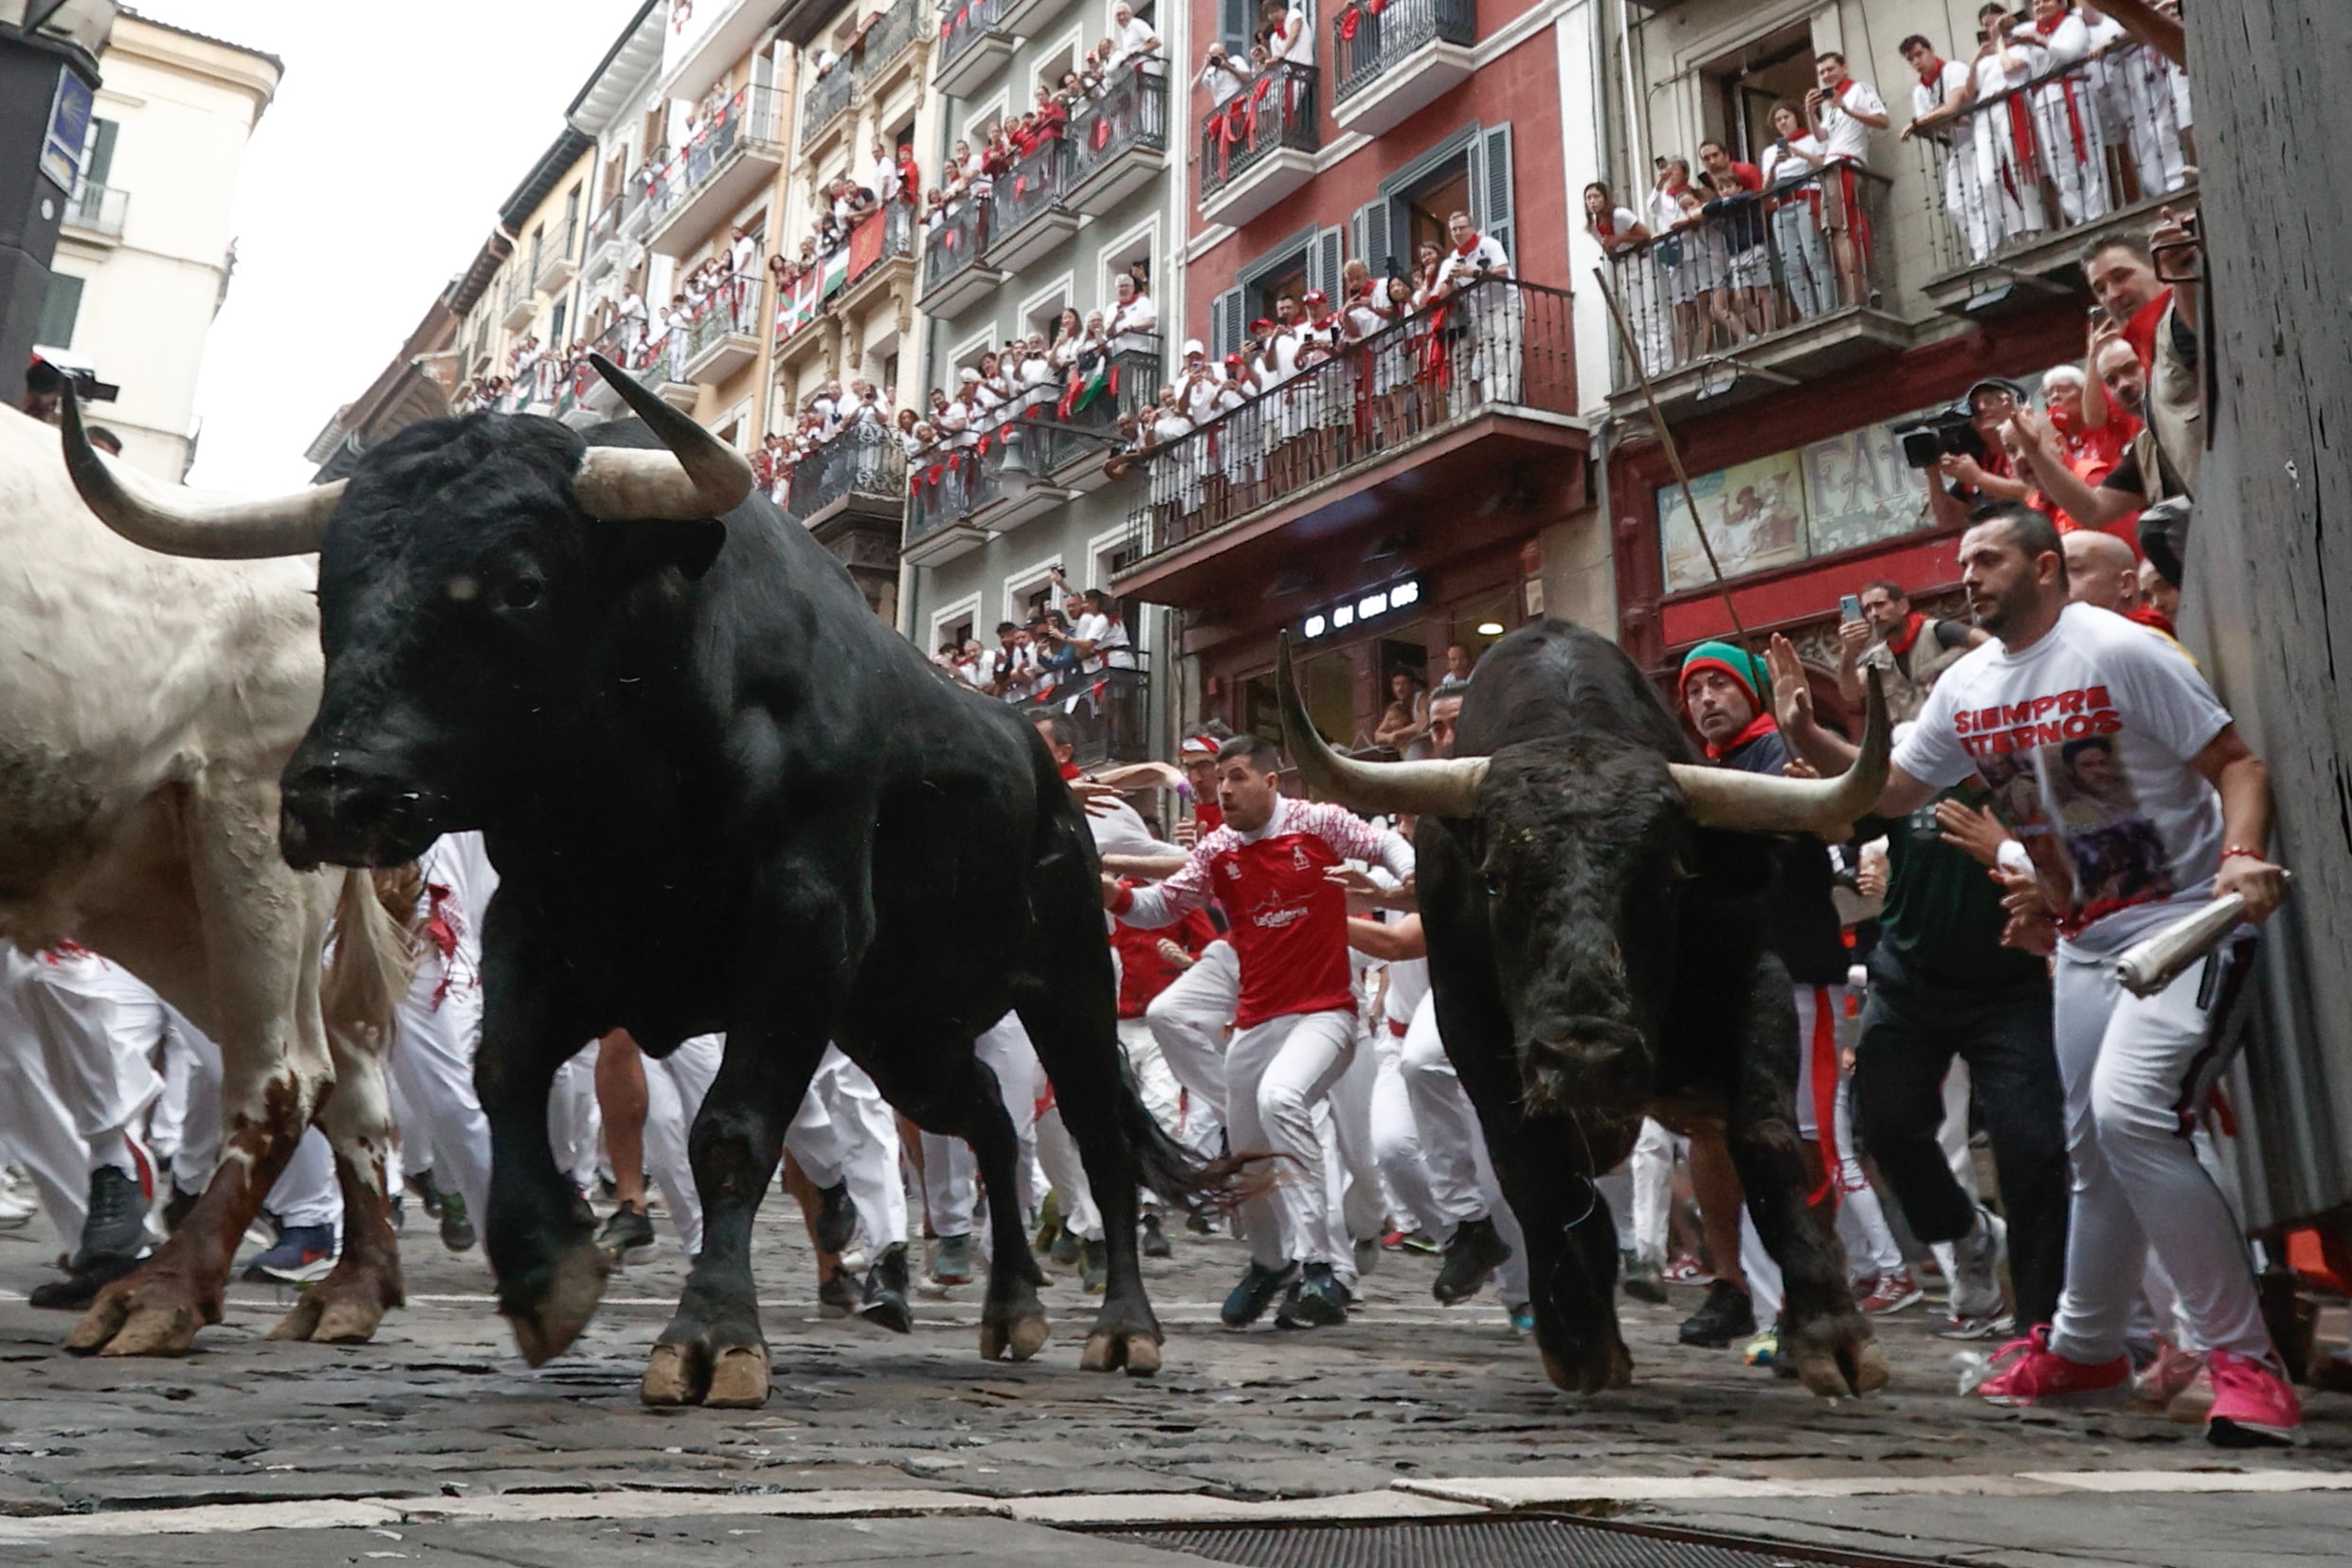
(1033, 662)
(824, 416)
(712, 125)
(1281, 37)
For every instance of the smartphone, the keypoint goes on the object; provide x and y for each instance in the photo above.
(1850, 607)
(2098, 313)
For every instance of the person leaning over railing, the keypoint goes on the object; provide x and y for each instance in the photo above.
(1940, 101)
(1746, 300)
(1843, 113)
(2066, 119)
(1790, 167)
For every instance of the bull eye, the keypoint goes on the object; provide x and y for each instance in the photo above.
(520, 594)
(1491, 882)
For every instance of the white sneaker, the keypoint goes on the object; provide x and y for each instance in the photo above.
(17, 1205)
(1976, 1268)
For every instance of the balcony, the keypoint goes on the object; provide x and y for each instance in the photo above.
(861, 471)
(1391, 58)
(1442, 406)
(1759, 292)
(2023, 180)
(975, 43)
(1030, 217)
(1028, 18)
(885, 40)
(1260, 148)
(881, 257)
(943, 491)
(953, 277)
(1073, 464)
(659, 363)
(592, 393)
(603, 248)
(1119, 141)
(824, 101)
(96, 211)
(518, 304)
(557, 268)
(724, 163)
(723, 338)
(1106, 712)
(710, 38)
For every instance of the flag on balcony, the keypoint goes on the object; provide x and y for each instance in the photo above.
(835, 274)
(798, 307)
(1081, 394)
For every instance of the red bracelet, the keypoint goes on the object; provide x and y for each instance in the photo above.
(2229, 851)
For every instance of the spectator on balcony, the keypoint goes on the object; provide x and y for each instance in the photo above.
(1940, 100)
(2136, 103)
(1737, 213)
(1789, 168)
(1715, 158)
(1843, 111)
(1292, 41)
(1404, 727)
(912, 437)
(1135, 321)
(1676, 291)
(2007, 165)
(1012, 673)
(882, 175)
(1613, 228)
(865, 407)
(1067, 330)
(743, 251)
(2066, 119)
(1225, 74)
(1963, 481)
(1135, 39)
(2094, 433)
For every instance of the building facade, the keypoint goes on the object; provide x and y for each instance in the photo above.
(1874, 294)
(144, 254)
(1073, 218)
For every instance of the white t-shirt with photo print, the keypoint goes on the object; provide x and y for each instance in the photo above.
(2086, 739)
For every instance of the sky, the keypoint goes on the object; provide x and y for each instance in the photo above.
(371, 181)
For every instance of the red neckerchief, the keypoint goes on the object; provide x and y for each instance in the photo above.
(1471, 245)
(1759, 727)
(2148, 615)
(1605, 224)
(2140, 331)
(1932, 78)
(1070, 771)
(2046, 28)
(1838, 92)
(1901, 644)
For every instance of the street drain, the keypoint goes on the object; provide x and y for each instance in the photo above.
(1523, 1541)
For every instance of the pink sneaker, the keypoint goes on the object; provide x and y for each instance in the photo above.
(2167, 1377)
(2037, 1374)
(1892, 1293)
(2253, 1405)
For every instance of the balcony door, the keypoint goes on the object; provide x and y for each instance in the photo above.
(1749, 81)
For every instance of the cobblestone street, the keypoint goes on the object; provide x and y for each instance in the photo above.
(1410, 1410)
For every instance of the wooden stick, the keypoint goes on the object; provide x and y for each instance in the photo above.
(1673, 457)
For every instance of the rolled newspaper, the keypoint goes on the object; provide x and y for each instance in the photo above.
(2148, 966)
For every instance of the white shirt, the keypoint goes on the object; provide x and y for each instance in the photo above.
(1301, 46)
(1136, 38)
(2066, 44)
(1842, 135)
(1201, 397)
(1950, 79)
(1137, 316)
(1223, 80)
(1777, 165)
(459, 880)
(743, 255)
(1486, 255)
(2123, 834)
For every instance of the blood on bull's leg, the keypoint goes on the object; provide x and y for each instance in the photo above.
(346, 1306)
(1831, 1344)
(713, 1352)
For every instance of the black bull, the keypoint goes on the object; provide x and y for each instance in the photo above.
(721, 796)
(1596, 955)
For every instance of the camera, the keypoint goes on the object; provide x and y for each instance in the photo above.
(1948, 433)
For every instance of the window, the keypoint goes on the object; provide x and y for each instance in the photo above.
(555, 324)
(59, 308)
(1286, 277)
(538, 237)
(98, 153)
(572, 218)
(1744, 86)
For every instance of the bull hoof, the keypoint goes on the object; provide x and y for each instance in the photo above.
(150, 1312)
(323, 1318)
(1614, 1370)
(1112, 1349)
(670, 1376)
(1015, 1335)
(546, 1327)
(738, 1378)
(1840, 1358)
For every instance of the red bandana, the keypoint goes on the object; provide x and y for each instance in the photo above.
(1901, 643)
(1933, 76)
(1071, 771)
(2148, 615)
(1759, 727)
(1468, 245)
(2140, 331)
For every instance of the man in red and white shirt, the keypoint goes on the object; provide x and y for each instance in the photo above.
(1296, 1028)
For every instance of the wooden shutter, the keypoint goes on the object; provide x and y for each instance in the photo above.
(1371, 236)
(1225, 323)
(1234, 23)
(1326, 253)
(101, 159)
(1490, 205)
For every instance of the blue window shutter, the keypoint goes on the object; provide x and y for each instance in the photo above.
(1225, 323)
(1492, 206)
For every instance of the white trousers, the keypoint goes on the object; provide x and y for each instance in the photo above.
(1277, 1073)
(1652, 1169)
(98, 1029)
(575, 1126)
(431, 1064)
(2073, 149)
(2008, 185)
(1461, 1176)
(950, 1186)
(675, 1086)
(1187, 1022)
(2134, 1070)
(1396, 1139)
(37, 1123)
(845, 1132)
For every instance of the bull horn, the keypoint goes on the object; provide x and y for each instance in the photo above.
(1448, 788)
(166, 518)
(699, 477)
(1725, 797)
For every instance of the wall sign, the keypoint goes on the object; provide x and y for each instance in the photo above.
(69, 130)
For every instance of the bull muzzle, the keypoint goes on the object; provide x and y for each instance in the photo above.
(333, 813)
(1587, 1062)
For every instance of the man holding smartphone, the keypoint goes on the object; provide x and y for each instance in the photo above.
(1878, 629)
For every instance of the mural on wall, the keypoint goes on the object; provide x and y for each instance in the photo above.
(1858, 491)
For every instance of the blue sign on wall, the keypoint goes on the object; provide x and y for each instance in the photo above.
(69, 129)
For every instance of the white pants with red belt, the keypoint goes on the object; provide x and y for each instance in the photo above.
(2134, 1070)
(1187, 1022)
(1276, 1073)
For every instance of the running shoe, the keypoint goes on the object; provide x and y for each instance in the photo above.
(2252, 1404)
(301, 1255)
(953, 1263)
(1893, 1291)
(1682, 1269)
(1726, 1315)
(1976, 1328)
(457, 1226)
(17, 1204)
(627, 1235)
(1644, 1280)
(1314, 1300)
(1764, 1351)
(117, 1225)
(1155, 1239)
(1255, 1292)
(884, 1300)
(2030, 1373)
(1472, 1256)
(427, 1191)
(2165, 1379)
(837, 1219)
(1976, 1267)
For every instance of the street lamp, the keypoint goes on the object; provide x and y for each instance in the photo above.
(1013, 473)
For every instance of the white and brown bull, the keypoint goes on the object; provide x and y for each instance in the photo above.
(147, 703)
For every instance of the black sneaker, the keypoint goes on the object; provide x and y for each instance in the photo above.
(1155, 1239)
(457, 1226)
(1726, 1315)
(1094, 1267)
(837, 1219)
(117, 1226)
(1314, 1300)
(1644, 1280)
(1471, 1256)
(428, 1194)
(1065, 1247)
(885, 1298)
(627, 1233)
(1250, 1299)
(78, 1290)
(838, 1297)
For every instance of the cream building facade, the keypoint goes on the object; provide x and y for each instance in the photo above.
(145, 254)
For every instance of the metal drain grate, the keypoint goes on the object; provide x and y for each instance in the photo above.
(1539, 1540)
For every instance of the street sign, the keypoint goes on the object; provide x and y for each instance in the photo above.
(68, 132)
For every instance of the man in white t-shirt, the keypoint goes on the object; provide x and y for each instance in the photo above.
(1940, 97)
(1843, 113)
(2136, 801)
(1488, 319)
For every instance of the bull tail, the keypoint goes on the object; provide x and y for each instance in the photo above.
(1178, 1174)
(373, 963)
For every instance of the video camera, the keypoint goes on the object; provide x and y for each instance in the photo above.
(1946, 433)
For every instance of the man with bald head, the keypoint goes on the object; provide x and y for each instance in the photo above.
(2102, 571)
